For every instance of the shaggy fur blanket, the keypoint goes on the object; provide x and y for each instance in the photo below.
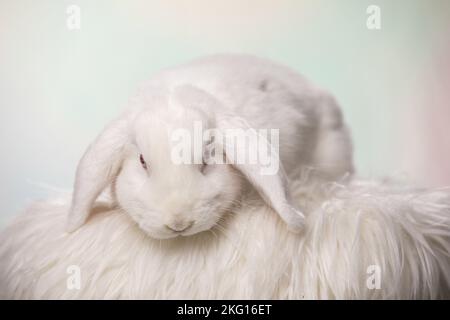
(363, 240)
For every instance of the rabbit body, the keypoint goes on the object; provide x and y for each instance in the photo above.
(268, 95)
(223, 92)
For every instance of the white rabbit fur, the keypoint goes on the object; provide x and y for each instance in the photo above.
(220, 91)
(349, 228)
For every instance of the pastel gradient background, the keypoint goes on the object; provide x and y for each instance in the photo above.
(59, 87)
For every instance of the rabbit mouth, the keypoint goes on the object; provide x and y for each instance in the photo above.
(164, 233)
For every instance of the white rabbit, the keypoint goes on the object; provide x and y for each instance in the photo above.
(134, 153)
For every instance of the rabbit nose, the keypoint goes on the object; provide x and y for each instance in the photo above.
(179, 226)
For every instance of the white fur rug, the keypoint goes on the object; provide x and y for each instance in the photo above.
(365, 240)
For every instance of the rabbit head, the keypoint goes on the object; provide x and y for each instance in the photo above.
(162, 173)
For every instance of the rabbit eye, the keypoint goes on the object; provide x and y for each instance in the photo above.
(208, 156)
(203, 166)
(143, 163)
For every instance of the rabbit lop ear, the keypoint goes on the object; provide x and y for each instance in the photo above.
(96, 169)
(270, 182)
(240, 143)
